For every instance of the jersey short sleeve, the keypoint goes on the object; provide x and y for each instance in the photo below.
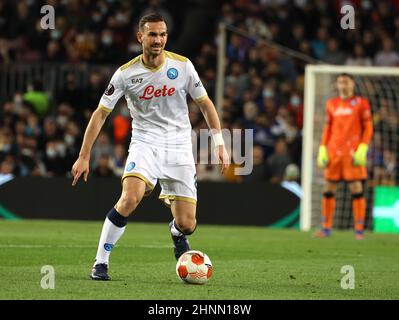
(113, 93)
(194, 84)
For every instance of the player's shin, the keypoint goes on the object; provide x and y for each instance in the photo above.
(328, 208)
(113, 228)
(359, 212)
(180, 242)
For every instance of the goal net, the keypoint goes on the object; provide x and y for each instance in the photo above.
(380, 86)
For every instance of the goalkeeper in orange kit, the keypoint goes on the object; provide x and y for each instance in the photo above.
(343, 152)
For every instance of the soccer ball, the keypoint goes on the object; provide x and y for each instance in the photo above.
(194, 267)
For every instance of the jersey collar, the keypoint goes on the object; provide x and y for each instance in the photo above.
(153, 69)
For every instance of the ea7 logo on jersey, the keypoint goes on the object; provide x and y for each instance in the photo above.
(110, 90)
(137, 80)
(150, 92)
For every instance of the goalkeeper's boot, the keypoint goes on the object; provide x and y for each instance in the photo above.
(323, 233)
(100, 272)
(180, 243)
(359, 235)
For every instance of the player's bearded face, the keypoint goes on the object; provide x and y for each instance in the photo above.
(153, 37)
(345, 86)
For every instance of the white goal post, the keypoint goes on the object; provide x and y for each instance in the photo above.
(319, 86)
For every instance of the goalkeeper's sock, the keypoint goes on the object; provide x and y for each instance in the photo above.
(328, 208)
(113, 228)
(359, 211)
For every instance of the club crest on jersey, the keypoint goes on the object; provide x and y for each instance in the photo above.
(110, 90)
(172, 73)
(130, 166)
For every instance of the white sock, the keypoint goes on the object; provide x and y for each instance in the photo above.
(174, 230)
(110, 234)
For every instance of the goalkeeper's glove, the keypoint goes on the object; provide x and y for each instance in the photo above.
(360, 155)
(322, 157)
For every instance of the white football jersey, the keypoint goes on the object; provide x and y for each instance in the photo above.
(157, 99)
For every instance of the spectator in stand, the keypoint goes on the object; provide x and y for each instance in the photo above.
(263, 88)
(7, 169)
(72, 93)
(278, 161)
(287, 122)
(333, 54)
(319, 44)
(237, 78)
(103, 168)
(118, 159)
(37, 98)
(95, 89)
(122, 124)
(250, 111)
(387, 56)
(102, 147)
(358, 58)
(258, 173)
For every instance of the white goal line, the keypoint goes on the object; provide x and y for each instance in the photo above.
(81, 246)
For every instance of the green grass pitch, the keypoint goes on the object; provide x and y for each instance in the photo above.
(249, 263)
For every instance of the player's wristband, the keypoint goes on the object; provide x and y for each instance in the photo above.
(218, 139)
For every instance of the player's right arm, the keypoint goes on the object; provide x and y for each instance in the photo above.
(81, 166)
(322, 157)
(114, 91)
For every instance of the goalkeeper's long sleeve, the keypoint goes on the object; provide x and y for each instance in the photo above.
(326, 134)
(327, 128)
(367, 131)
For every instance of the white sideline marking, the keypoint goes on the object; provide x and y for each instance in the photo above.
(40, 246)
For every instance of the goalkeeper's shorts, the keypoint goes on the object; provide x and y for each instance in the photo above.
(175, 170)
(342, 168)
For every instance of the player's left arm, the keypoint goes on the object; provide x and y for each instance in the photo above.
(360, 156)
(212, 119)
(198, 93)
(367, 123)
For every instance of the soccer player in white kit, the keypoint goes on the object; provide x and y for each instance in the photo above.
(155, 85)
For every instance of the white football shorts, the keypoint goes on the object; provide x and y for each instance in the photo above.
(175, 170)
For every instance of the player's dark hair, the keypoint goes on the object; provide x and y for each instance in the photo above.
(344, 74)
(152, 17)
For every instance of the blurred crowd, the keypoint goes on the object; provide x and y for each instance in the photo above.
(85, 31)
(40, 135)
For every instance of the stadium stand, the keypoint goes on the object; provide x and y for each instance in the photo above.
(41, 125)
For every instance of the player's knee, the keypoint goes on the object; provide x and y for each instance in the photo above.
(328, 194)
(357, 195)
(330, 188)
(187, 225)
(356, 188)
